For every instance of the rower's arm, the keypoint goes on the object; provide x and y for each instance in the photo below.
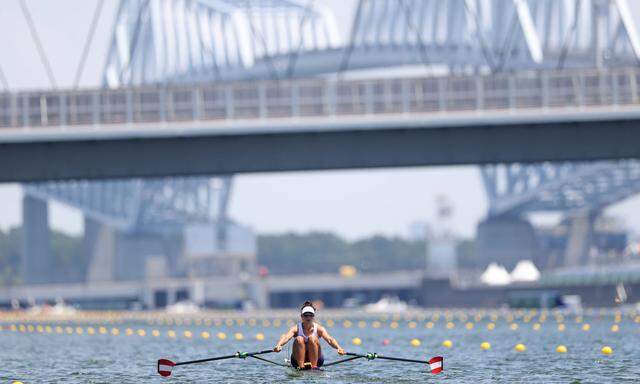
(286, 337)
(330, 340)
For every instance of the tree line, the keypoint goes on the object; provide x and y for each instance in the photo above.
(288, 253)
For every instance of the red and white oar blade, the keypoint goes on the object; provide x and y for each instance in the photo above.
(165, 366)
(436, 364)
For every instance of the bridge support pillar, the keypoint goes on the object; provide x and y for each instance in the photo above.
(36, 251)
(580, 239)
(99, 249)
(506, 240)
(137, 254)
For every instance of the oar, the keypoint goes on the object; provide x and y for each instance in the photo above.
(436, 364)
(165, 366)
(342, 361)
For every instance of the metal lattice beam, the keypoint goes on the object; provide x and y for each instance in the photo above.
(494, 34)
(516, 189)
(194, 40)
(150, 205)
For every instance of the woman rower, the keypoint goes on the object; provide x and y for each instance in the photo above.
(307, 353)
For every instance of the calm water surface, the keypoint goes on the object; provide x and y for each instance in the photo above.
(40, 357)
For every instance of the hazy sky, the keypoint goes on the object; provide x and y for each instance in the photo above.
(352, 203)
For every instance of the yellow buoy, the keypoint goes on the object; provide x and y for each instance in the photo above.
(607, 350)
(615, 328)
(348, 271)
(155, 333)
(586, 327)
(356, 341)
(115, 331)
(520, 347)
(513, 326)
(536, 326)
(205, 335)
(376, 324)
(450, 325)
(16, 382)
(187, 334)
(171, 333)
(415, 343)
(561, 327)
(485, 346)
(491, 326)
(141, 332)
(394, 325)
(429, 324)
(362, 324)
(259, 336)
(447, 344)
(347, 324)
(222, 335)
(561, 349)
(238, 336)
(412, 324)
(469, 326)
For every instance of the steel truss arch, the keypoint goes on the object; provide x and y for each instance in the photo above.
(569, 187)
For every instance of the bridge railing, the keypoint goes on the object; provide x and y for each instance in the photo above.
(321, 98)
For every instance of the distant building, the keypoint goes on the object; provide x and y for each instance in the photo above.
(441, 243)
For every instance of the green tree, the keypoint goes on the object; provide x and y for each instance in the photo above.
(66, 252)
(321, 252)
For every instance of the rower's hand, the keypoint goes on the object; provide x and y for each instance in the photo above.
(277, 348)
(341, 351)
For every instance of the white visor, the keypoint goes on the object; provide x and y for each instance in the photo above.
(308, 309)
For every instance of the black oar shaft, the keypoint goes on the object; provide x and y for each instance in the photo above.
(205, 360)
(237, 354)
(401, 359)
(372, 356)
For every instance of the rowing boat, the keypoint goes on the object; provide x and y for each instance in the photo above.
(436, 364)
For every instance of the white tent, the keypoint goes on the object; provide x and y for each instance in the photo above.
(495, 275)
(525, 271)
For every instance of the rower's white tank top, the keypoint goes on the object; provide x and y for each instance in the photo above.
(301, 332)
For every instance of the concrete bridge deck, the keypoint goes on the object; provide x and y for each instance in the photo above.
(320, 124)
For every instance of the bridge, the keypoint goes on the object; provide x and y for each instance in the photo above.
(199, 87)
(311, 124)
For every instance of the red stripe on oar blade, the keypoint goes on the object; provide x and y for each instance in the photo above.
(165, 366)
(436, 364)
